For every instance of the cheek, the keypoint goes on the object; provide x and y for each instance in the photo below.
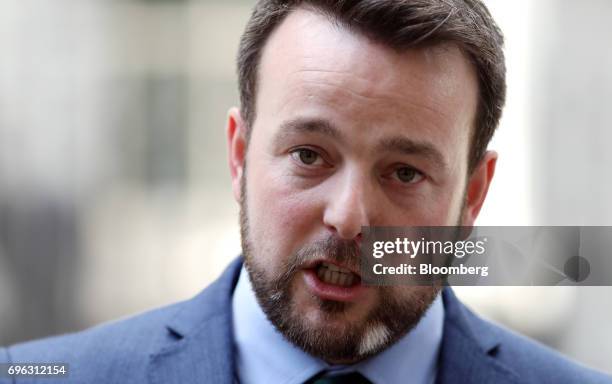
(282, 218)
(438, 206)
(446, 210)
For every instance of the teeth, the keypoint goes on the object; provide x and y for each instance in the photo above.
(332, 274)
(335, 268)
(321, 272)
(328, 276)
(335, 277)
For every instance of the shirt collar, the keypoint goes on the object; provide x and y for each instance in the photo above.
(263, 355)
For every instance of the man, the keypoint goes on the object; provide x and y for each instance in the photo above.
(353, 113)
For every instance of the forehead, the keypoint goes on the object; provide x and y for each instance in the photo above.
(311, 66)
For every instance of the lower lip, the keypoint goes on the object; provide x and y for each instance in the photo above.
(332, 292)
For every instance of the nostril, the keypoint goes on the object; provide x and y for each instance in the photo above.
(359, 238)
(345, 232)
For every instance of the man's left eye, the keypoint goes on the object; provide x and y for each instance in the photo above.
(408, 175)
(307, 156)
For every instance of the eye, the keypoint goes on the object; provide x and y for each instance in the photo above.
(408, 175)
(307, 156)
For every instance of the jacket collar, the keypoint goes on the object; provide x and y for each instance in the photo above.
(198, 343)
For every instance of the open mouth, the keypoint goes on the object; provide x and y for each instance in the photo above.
(335, 275)
(329, 281)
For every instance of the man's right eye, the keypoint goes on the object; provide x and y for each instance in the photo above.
(307, 156)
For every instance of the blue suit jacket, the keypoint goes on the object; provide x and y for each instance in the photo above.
(191, 342)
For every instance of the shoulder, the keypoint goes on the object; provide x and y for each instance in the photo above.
(122, 351)
(527, 359)
(532, 359)
(94, 355)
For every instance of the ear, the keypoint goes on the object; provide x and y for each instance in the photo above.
(236, 143)
(477, 187)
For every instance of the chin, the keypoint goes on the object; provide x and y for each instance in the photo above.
(337, 337)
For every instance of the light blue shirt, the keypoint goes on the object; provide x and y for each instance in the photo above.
(263, 355)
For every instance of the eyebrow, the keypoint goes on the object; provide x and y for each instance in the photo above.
(302, 125)
(407, 146)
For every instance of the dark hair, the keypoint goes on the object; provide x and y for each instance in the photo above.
(399, 24)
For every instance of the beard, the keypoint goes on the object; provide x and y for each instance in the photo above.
(397, 310)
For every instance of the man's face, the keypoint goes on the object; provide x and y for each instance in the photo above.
(348, 133)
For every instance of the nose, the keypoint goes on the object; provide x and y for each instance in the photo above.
(350, 205)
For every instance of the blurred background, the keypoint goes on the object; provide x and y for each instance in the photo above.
(114, 190)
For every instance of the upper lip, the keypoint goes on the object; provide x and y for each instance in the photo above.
(314, 263)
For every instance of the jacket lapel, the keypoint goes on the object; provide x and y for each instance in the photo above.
(468, 348)
(197, 346)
